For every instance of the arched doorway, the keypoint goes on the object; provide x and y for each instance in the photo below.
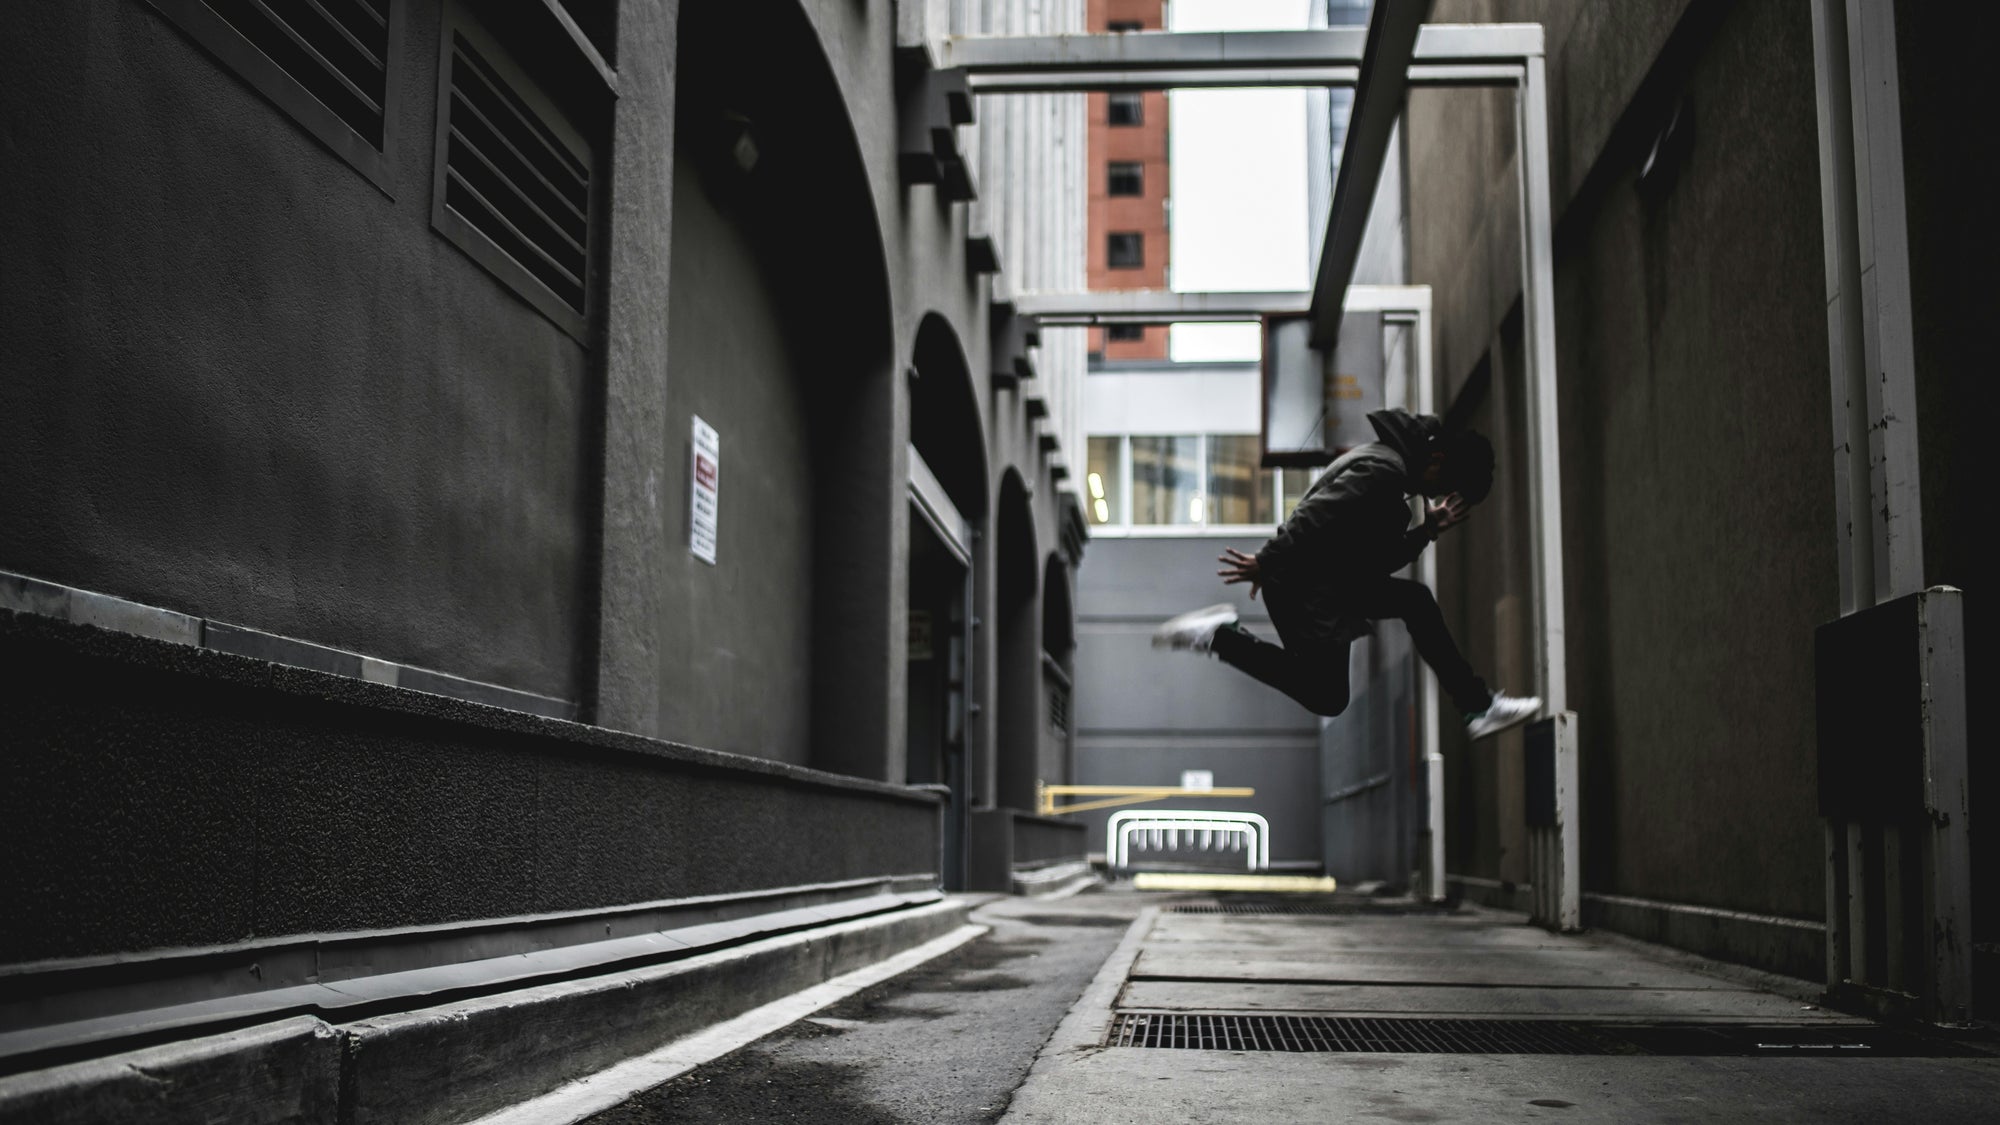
(781, 647)
(947, 514)
(1017, 660)
(1058, 734)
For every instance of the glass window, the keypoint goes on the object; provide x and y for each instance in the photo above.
(1295, 481)
(1125, 25)
(1166, 480)
(1128, 108)
(1125, 332)
(1104, 482)
(1125, 250)
(1238, 491)
(1126, 177)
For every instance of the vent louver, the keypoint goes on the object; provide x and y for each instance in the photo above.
(335, 49)
(509, 175)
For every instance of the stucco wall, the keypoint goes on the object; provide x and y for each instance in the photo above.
(260, 389)
(1698, 505)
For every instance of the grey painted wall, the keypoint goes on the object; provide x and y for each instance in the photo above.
(263, 391)
(736, 655)
(1143, 715)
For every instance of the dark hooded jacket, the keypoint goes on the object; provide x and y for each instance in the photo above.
(1353, 524)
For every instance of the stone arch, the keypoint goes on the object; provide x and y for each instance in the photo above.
(945, 425)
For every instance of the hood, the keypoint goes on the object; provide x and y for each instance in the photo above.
(1409, 435)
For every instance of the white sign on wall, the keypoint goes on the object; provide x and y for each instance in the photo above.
(704, 474)
(1203, 780)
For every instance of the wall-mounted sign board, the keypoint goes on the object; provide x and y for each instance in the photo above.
(705, 475)
(1316, 407)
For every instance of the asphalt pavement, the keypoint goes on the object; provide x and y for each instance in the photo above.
(947, 1042)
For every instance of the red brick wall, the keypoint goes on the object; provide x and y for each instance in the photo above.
(1145, 144)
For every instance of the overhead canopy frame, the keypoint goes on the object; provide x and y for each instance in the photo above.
(1455, 55)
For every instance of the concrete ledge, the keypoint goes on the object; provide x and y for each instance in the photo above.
(1789, 947)
(1055, 879)
(457, 1062)
(281, 1072)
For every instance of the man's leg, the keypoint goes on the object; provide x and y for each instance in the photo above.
(1310, 670)
(1412, 603)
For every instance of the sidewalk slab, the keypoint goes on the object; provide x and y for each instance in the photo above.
(1462, 964)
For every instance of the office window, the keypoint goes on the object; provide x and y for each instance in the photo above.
(1104, 480)
(1239, 492)
(1187, 485)
(1128, 108)
(1126, 177)
(326, 65)
(1124, 332)
(1166, 480)
(1125, 250)
(516, 173)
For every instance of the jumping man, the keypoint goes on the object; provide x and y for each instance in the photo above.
(1328, 574)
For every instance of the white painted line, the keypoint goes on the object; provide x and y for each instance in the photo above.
(598, 1092)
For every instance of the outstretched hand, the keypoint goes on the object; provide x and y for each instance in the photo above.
(1445, 513)
(1239, 567)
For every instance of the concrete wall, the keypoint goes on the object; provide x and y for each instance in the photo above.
(1692, 365)
(267, 392)
(212, 799)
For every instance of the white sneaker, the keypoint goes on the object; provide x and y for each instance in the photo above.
(1505, 711)
(1195, 629)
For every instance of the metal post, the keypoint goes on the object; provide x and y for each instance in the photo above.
(1430, 715)
(1947, 845)
(1545, 479)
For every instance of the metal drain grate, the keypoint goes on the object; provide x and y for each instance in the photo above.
(1348, 1034)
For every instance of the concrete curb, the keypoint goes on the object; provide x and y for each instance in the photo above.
(1089, 1019)
(288, 1071)
(456, 1062)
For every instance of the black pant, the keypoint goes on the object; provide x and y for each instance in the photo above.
(1311, 667)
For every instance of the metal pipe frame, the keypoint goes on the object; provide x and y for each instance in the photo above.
(1452, 55)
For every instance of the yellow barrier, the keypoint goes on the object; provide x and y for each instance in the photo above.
(1045, 800)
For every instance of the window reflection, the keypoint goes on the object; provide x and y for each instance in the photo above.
(1238, 491)
(1104, 482)
(1166, 479)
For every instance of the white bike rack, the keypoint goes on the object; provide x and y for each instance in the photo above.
(1202, 830)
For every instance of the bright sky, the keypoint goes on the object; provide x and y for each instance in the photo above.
(1238, 182)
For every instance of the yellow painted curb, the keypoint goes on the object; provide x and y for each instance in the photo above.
(1286, 884)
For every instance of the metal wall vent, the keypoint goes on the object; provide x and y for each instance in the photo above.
(1348, 1034)
(336, 49)
(513, 176)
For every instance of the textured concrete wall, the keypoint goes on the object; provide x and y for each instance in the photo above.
(153, 795)
(262, 390)
(1698, 514)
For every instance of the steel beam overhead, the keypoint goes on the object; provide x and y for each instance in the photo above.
(1445, 54)
(1155, 306)
(1378, 105)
